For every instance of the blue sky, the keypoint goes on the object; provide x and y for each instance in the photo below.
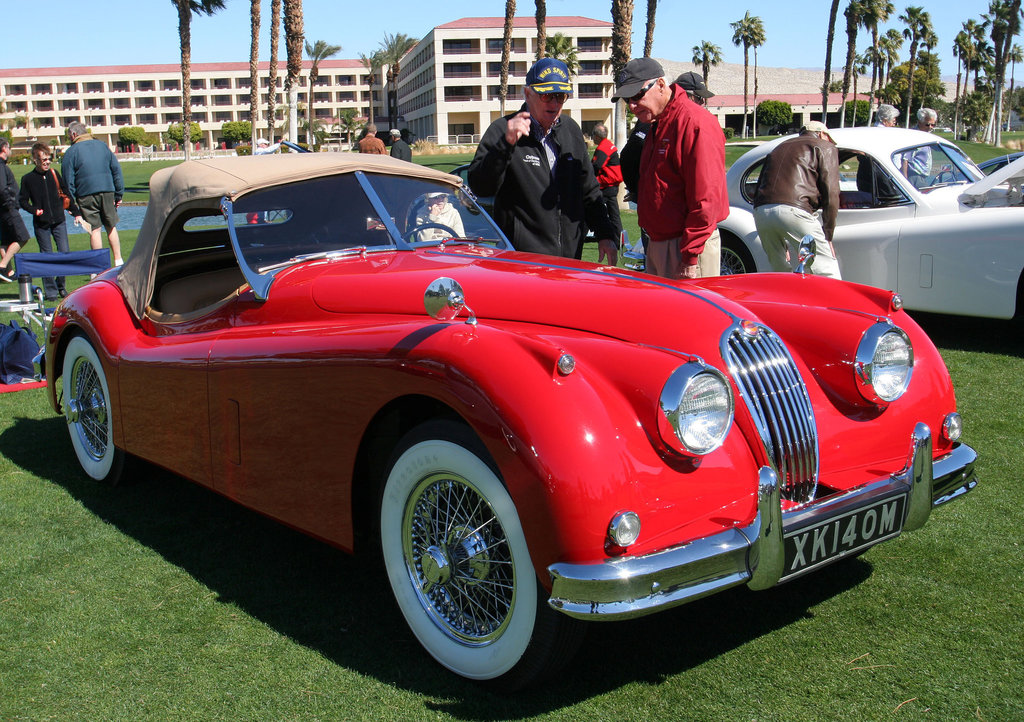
(73, 33)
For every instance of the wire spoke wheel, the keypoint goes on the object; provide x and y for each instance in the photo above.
(458, 559)
(88, 413)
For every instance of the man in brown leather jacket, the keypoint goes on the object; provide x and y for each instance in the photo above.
(797, 195)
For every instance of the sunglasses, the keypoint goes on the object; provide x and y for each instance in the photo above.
(42, 160)
(553, 97)
(643, 91)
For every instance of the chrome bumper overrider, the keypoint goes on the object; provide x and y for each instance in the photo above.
(755, 554)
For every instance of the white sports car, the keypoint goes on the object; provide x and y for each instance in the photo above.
(951, 243)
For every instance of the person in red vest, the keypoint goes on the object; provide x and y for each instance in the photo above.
(609, 173)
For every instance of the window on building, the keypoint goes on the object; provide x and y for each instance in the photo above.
(118, 86)
(344, 80)
(69, 104)
(345, 96)
(174, 102)
(42, 88)
(221, 100)
(198, 83)
(590, 90)
(145, 86)
(95, 120)
(244, 83)
(147, 118)
(122, 120)
(222, 116)
(221, 83)
(461, 93)
(94, 87)
(16, 89)
(67, 87)
(95, 104)
(591, 67)
(198, 100)
(459, 47)
(172, 84)
(590, 45)
(43, 106)
(172, 118)
(462, 70)
(146, 101)
(199, 117)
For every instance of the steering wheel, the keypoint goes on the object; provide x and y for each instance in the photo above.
(423, 226)
(945, 175)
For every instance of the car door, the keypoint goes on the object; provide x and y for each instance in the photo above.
(874, 207)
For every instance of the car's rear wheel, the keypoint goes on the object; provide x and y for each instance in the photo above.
(89, 414)
(736, 259)
(458, 564)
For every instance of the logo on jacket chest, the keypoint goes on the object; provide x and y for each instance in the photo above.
(531, 160)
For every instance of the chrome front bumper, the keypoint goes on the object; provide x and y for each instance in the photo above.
(755, 554)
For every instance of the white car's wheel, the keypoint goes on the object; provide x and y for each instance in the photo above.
(88, 413)
(458, 563)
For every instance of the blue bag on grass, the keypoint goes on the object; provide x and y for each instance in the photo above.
(17, 350)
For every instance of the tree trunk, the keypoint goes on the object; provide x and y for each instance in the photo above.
(542, 30)
(275, 36)
(254, 71)
(622, 48)
(506, 50)
(185, 37)
(293, 40)
(830, 38)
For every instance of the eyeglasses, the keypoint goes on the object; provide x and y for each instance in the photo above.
(930, 125)
(553, 97)
(643, 91)
(42, 160)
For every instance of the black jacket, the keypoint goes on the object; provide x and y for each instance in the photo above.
(629, 157)
(538, 211)
(8, 191)
(39, 190)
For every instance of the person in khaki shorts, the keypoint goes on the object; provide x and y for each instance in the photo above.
(94, 178)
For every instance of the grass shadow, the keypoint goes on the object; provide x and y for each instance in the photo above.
(964, 333)
(341, 606)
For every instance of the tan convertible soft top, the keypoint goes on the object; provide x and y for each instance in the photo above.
(202, 183)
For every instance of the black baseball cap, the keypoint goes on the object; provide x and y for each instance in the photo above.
(694, 83)
(635, 75)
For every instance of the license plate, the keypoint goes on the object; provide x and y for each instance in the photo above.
(843, 535)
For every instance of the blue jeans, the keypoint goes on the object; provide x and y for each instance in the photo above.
(59, 233)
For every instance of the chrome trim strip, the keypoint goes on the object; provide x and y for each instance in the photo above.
(635, 586)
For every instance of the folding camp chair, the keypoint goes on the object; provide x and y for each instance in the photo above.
(38, 265)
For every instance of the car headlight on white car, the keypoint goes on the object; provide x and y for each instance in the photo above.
(695, 409)
(885, 363)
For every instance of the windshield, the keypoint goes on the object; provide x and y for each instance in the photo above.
(352, 213)
(935, 164)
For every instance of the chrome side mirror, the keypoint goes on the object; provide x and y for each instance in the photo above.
(806, 254)
(444, 301)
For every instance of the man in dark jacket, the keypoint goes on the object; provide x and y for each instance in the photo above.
(399, 148)
(799, 179)
(537, 166)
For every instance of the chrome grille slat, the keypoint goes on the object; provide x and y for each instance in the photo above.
(775, 394)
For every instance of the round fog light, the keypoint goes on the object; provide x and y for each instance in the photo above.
(952, 427)
(624, 528)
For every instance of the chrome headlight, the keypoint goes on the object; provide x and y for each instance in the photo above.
(885, 362)
(696, 409)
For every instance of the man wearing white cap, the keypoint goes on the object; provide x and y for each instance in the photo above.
(798, 195)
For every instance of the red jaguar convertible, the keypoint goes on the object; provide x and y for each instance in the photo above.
(349, 345)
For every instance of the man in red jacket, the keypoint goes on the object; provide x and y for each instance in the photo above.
(682, 194)
(609, 173)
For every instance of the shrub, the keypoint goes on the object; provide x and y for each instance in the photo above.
(243, 150)
(729, 133)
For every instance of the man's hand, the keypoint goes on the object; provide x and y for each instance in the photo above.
(518, 126)
(606, 247)
(691, 271)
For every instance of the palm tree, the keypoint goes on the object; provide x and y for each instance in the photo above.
(254, 70)
(185, 9)
(1004, 19)
(919, 24)
(275, 36)
(320, 50)
(652, 10)
(889, 47)
(860, 66)
(975, 51)
(542, 27)
(393, 49)
(832, 13)
(707, 55)
(506, 50)
(373, 63)
(1015, 56)
(622, 48)
(875, 12)
(853, 14)
(747, 32)
(560, 46)
(959, 43)
(293, 43)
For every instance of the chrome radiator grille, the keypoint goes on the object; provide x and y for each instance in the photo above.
(777, 398)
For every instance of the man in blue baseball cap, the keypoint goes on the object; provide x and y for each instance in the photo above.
(537, 166)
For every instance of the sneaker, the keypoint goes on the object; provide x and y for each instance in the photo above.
(7, 275)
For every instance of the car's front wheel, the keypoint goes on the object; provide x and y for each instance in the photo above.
(736, 258)
(89, 414)
(458, 564)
